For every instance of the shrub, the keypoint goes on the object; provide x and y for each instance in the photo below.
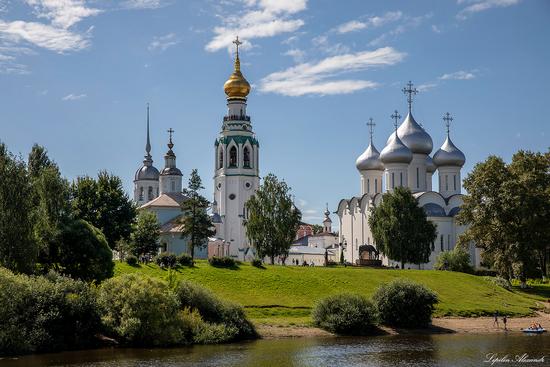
(166, 260)
(405, 303)
(131, 260)
(45, 313)
(455, 260)
(499, 282)
(257, 263)
(140, 310)
(185, 260)
(214, 310)
(345, 314)
(222, 262)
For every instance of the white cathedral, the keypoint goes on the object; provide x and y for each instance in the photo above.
(236, 177)
(405, 161)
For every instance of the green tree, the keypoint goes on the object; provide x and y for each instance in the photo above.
(455, 260)
(18, 250)
(105, 205)
(146, 234)
(401, 229)
(85, 253)
(196, 223)
(272, 218)
(317, 228)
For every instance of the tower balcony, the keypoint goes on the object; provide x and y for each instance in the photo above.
(236, 118)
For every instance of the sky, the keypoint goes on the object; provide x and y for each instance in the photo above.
(76, 75)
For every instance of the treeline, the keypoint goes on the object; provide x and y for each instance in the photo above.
(507, 210)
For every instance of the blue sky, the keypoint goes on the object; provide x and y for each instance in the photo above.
(76, 76)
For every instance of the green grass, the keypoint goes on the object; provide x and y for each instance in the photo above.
(284, 295)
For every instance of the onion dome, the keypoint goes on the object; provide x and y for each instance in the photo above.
(395, 151)
(449, 155)
(237, 86)
(369, 160)
(430, 165)
(147, 171)
(170, 168)
(414, 136)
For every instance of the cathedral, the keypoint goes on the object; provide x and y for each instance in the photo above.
(236, 177)
(405, 161)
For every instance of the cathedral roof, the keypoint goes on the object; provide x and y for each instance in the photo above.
(166, 200)
(369, 160)
(395, 151)
(414, 136)
(147, 172)
(236, 86)
(449, 155)
(430, 165)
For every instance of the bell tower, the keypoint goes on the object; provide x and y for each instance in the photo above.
(236, 164)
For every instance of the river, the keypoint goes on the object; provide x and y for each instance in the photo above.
(391, 350)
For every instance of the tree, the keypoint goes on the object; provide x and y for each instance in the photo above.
(401, 229)
(85, 253)
(272, 218)
(455, 260)
(18, 250)
(105, 205)
(146, 234)
(196, 223)
(507, 210)
(317, 228)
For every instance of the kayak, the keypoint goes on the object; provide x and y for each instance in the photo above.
(534, 331)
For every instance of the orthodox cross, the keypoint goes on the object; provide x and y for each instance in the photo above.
(237, 43)
(371, 126)
(447, 118)
(170, 131)
(410, 91)
(396, 116)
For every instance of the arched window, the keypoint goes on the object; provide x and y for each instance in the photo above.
(417, 178)
(150, 193)
(401, 179)
(173, 186)
(220, 161)
(246, 157)
(375, 185)
(446, 183)
(454, 181)
(141, 193)
(233, 157)
(442, 248)
(368, 185)
(392, 180)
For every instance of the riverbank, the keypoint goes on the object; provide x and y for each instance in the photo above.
(441, 325)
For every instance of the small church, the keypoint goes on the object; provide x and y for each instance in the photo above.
(405, 161)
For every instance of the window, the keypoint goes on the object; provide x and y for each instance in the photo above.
(375, 185)
(157, 191)
(141, 193)
(446, 183)
(400, 178)
(150, 193)
(454, 181)
(233, 157)
(220, 162)
(246, 157)
(441, 239)
(392, 180)
(448, 242)
(173, 186)
(417, 178)
(368, 185)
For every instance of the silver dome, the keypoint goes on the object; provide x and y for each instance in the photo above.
(430, 165)
(449, 155)
(171, 171)
(369, 160)
(414, 136)
(147, 172)
(395, 151)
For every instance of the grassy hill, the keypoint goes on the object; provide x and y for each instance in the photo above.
(285, 294)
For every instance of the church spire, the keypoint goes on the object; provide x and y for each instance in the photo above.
(237, 86)
(410, 91)
(148, 144)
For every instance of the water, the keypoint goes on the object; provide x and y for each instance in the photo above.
(402, 350)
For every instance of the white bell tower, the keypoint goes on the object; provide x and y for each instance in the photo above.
(236, 165)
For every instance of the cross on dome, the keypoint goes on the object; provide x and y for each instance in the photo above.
(448, 119)
(396, 116)
(410, 91)
(170, 132)
(237, 43)
(371, 126)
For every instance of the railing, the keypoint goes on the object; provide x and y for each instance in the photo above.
(236, 118)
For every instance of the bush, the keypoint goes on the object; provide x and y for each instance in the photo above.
(455, 260)
(345, 314)
(499, 282)
(214, 310)
(166, 260)
(142, 311)
(257, 263)
(45, 313)
(184, 260)
(405, 303)
(131, 260)
(222, 262)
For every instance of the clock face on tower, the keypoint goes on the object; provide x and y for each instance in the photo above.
(232, 197)
(248, 185)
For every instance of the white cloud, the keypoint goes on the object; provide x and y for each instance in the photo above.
(62, 13)
(407, 25)
(436, 29)
(426, 87)
(261, 19)
(144, 4)
(73, 97)
(297, 54)
(458, 75)
(322, 43)
(162, 43)
(318, 78)
(42, 35)
(477, 6)
(372, 22)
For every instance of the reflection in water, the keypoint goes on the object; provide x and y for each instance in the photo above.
(405, 350)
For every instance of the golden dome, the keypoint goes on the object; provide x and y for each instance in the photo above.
(236, 86)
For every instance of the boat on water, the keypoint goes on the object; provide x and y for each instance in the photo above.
(534, 331)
